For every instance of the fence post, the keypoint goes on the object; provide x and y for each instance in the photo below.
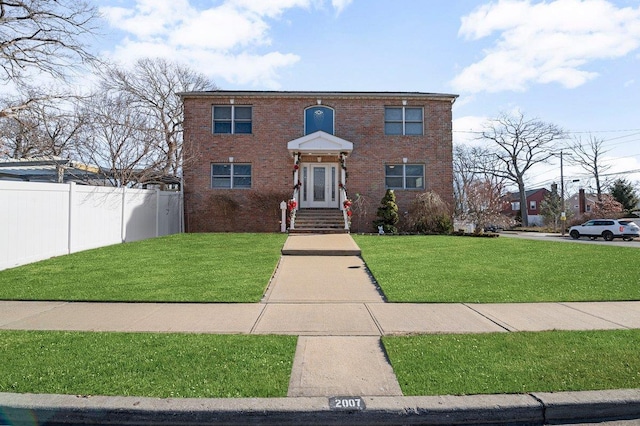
(70, 215)
(123, 225)
(157, 212)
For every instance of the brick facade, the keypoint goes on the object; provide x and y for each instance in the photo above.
(278, 118)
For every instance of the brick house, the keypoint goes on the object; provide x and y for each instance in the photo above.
(246, 151)
(534, 199)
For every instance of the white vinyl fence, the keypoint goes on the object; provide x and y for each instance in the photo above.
(42, 220)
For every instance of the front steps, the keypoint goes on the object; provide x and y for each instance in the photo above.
(319, 221)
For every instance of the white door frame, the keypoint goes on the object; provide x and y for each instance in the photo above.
(320, 194)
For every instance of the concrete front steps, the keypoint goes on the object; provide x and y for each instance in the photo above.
(319, 221)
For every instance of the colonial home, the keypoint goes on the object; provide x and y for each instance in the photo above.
(534, 199)
(333, 154)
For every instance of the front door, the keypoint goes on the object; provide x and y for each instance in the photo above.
(319, 185)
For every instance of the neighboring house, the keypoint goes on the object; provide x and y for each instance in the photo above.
(246, 151)
(49, 169)
(581, 203)
(534, 199)
(59, 170)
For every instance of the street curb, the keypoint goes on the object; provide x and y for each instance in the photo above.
(534, 408)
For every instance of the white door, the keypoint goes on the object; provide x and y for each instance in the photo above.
(319, 185)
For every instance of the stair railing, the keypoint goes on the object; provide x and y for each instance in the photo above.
(346, 208)
(292, 208)
(293, 203)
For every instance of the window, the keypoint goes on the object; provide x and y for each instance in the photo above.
(318, 118)
(532, 205)
(404, 176)
(232, 119)
(230, 176)
(402, 121)
(515, 206)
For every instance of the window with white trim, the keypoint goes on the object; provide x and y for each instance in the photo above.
(404, 176)
(403, 121)
(232, 119)
(515, 205)
(230, 176)
(532, 205)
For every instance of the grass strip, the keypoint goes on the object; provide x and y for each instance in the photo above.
(176, 268)
(486, 270)
(498, 363)
(145, 364)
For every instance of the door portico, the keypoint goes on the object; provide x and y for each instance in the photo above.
(319, 171)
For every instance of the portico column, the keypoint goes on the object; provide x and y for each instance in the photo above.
(296, 176)
(343, 178)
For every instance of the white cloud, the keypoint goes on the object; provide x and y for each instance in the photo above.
(271, 8)
(229, 40)
(222, 28)
(148, 18)
(340, 5)
(545, 42)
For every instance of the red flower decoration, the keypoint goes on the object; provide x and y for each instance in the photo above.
(296, 167)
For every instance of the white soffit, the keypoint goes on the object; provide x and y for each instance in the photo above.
(319, 143)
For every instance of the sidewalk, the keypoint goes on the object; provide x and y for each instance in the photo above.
(337, 318)
(322, 292)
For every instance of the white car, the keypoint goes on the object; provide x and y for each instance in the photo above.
(607, 229)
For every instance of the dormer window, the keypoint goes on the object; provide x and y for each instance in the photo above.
(318, 118)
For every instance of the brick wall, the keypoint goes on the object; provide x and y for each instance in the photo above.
(279, 118)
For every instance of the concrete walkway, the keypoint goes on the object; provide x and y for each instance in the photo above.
(319, 319)
(323, 292)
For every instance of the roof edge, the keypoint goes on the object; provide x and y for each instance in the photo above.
(288, 94)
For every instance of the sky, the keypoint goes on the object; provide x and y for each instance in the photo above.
(573, 63)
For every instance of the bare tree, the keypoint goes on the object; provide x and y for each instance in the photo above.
(151, 88)
(469, 165)
(588, 155)
(44, 36)
(485, 204)
(47, 127)
(41, 37)
(464, 172)
(116, 140)
(520, 143)
(15, 139)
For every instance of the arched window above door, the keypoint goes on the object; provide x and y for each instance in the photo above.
(318, 118)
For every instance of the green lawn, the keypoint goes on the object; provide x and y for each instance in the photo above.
(520, 362)
(176, 268)
(145, 364)
(482, 270)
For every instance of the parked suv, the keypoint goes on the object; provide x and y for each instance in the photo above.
(607, 229)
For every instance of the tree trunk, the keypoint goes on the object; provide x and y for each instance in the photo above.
(523, 204)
